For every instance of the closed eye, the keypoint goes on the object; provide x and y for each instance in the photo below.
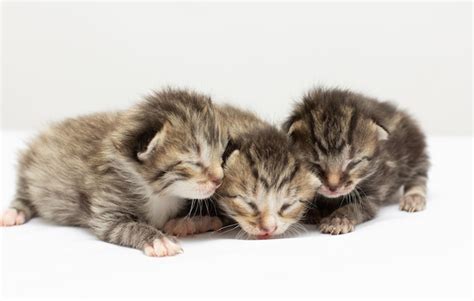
(285, 206)
(316, 165)
(253, 206)
(240, 198)
(356, 162)
(230, 196)
(161, 173)
(195, 163)
(316, 168)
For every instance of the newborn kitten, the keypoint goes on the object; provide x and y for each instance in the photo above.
(363, 151)
(123, 175)
(265, 189)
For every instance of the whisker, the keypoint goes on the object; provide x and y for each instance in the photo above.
(213, 206)
(247, 236)
(342, 200)
(289, 232)
(190, 209)
(360, 198)
(228, 230)
(227, 226)
(207, 208)
(310, 205)
(301, 227)
(240, 234)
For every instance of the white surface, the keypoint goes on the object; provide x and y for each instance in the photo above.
(426, 254)
(64, 59)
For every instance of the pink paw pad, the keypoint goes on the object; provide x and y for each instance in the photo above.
(163, 247)
(12, 217)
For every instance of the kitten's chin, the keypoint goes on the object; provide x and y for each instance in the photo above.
(254, 232)
(196, 195)
(192, 191)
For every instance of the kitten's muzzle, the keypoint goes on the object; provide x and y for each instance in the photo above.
(333, 181)
(332, 186)
(215, 176)
(212, 180)
(266, 231)
(334, 193)
(216, 181)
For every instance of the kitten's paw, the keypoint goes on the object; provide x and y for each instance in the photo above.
(413, 203)
(192, 225)
(210, 223)
(163, 247)
(180, 226)
(12, 217)
(336, 225)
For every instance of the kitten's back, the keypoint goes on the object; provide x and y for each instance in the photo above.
(238, 121)
(62, 157)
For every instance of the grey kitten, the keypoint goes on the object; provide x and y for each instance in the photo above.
(363, 151)
(124, 174)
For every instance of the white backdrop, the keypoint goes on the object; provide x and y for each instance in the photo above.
(63, 59)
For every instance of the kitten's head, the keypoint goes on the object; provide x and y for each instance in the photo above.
(266, 188)
(336, 134)
(175, 142)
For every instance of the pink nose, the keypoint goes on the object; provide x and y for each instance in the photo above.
(216, 181)
(267, 230)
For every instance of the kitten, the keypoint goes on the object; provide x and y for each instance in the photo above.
(363, 151)
(266, 189)
(124, 174)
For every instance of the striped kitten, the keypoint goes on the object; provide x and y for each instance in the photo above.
(363, 151)
(265, 189)
(124, 174)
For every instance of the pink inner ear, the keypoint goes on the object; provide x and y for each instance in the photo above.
(382, 134)
(159, 137)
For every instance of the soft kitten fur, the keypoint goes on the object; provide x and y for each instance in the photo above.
(266, 188)
(124, 174)
(363, 151)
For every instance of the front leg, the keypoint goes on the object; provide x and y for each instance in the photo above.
(192, 225)
(414, 196)
(127, 232)
(344, 219)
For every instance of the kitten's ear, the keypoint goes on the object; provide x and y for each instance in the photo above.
(382, 133)
(314, 180)
(295, 128)
(233, 157)
(231, 149)
(157, 139)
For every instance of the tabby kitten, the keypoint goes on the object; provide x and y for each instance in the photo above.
(266, 188)
(363, 151)
(124, 174)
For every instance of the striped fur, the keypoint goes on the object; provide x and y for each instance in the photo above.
(125, 174)
(363, 151)
(266, 187)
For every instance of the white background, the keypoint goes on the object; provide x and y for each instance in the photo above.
(63, 59)
(66, 59)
